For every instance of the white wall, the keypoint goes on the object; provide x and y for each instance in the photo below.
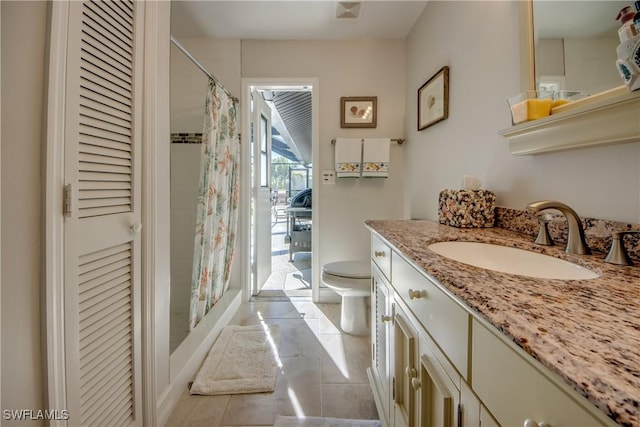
(24, 35)
(590, 64)
(483, 57)
(344, 68)
(185, 177)
(188, 83)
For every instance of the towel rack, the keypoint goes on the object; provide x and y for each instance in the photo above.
(400, 141)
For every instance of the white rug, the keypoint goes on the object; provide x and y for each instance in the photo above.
(244, 359)
(282, 421)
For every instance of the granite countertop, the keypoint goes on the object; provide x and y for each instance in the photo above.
(586, 331)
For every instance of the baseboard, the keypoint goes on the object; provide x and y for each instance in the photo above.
(187, 358)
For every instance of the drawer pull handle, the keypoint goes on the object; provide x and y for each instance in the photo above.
(415, 383)
(414, 294)
(379, 254)
(530, 423)
(384, 318)
(411, 372)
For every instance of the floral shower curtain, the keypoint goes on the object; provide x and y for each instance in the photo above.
(217, 216)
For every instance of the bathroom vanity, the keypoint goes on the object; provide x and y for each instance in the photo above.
(457, 345)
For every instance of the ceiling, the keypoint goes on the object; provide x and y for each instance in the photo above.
(294, 19)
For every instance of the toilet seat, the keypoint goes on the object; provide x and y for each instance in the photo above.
(347, 285)
(348, 269)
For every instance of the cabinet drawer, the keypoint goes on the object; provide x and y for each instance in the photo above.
(381, 255)
(444, 319)
(515, 390)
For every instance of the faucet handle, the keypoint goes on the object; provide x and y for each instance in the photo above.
(544, 238)
(617, 254)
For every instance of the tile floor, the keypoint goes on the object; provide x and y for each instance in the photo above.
(323, 370)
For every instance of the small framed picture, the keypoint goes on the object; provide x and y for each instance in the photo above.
(433, 99)
(358, 111)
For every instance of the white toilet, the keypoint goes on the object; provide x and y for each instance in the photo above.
(352, 281)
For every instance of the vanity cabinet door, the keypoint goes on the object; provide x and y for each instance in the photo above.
(405, 361)
(469, 407)
(486, 420)
(439, 394)
(472, 412)
(514, 389)
(381, 323)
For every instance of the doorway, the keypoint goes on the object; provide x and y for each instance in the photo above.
(281, 232)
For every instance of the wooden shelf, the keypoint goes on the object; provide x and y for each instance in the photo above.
(609, 118)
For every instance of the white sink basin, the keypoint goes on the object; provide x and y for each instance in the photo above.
(512, 260)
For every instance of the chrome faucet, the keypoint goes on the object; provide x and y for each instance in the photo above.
(575, 240)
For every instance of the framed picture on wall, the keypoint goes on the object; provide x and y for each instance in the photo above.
(358, 111)
(433, 99)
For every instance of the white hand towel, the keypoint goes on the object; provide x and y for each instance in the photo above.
(348, 154)
(375, 158)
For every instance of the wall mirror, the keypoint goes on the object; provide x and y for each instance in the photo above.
(575, 45)
(609, 115)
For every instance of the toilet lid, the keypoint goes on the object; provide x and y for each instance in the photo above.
(350, 269)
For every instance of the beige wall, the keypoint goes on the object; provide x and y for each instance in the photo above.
(483, 55)
(590, 63)
(188, 83)
(24, 26)
(344, 68)
(185, 176)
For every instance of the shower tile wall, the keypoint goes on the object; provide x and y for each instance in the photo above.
(185, 171)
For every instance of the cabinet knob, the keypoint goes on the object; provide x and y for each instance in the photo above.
(415, 294)
(416, 383)
(384, 318)
(379, 254)
(530, 423)
(411, 372)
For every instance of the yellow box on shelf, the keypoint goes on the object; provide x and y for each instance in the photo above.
(530, 109)
(530, 105)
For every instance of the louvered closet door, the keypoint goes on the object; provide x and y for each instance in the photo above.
(102, 232)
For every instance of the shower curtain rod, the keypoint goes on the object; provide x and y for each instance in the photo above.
(199, 65)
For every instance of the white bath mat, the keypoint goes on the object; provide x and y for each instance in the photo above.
(282, 421)
(244, 359)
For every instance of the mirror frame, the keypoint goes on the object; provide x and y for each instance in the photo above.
(610, 117)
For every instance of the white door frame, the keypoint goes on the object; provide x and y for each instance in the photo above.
(245, 176)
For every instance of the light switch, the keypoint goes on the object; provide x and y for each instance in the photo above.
(328, 177)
